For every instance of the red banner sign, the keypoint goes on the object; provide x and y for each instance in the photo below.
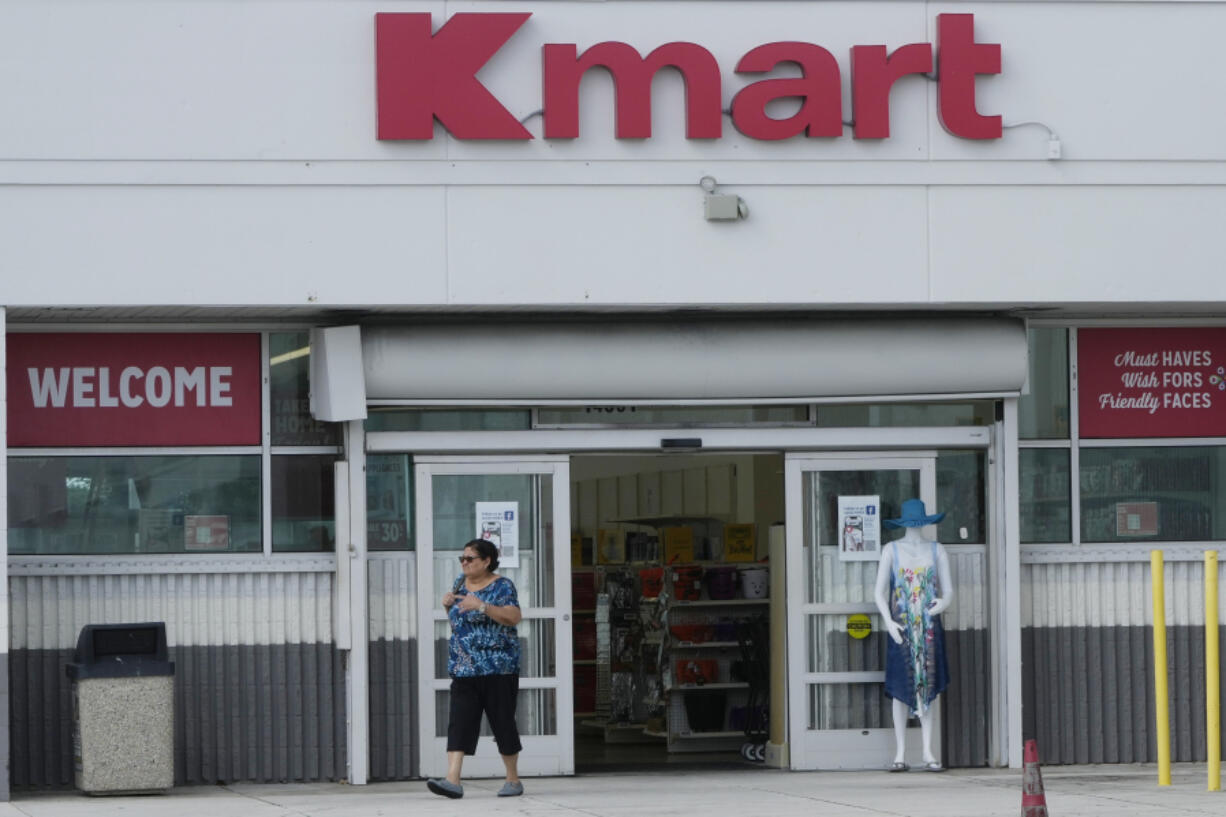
(1152, 382)
(133, 389)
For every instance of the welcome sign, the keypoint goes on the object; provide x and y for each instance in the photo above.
(133, 389)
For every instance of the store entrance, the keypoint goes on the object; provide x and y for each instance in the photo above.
(670, 599)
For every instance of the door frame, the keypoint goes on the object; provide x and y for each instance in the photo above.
(837, 748)
(542, 754)
(538, 445)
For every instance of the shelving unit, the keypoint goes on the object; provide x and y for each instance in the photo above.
(719, 613)
(659, 650)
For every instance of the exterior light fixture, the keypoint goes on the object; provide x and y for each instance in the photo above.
(722, 206)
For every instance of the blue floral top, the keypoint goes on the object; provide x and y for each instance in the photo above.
(479, 645)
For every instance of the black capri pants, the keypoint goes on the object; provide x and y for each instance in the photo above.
(494, 695)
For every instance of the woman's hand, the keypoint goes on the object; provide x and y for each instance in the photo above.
(448, 600)
(470, 602)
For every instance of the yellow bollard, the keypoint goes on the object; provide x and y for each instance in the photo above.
(1161, 702)
(1213, 702)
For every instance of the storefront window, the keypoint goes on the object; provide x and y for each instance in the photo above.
(979, 413)
(389, 502)
(1044, 498)
(303, 503)
(134, 504)
(961, 479)
(448, 420)
(1149, 493)
(289, 357)
(1043, 412)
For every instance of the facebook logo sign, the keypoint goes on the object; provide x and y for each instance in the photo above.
(870, 510)
(508, 515)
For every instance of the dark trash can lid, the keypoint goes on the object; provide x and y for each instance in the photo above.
(121, 651)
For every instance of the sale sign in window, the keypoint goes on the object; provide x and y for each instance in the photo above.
(1152, 382)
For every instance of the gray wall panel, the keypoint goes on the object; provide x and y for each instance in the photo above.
(1088, 693)
(242, 713)
(393, 722)
(4, 725)
(965, 709)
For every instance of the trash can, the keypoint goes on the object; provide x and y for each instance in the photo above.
(123, 709)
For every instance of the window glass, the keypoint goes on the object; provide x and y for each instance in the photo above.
(134, 504)
(1043, 412)
(289, 358)
(1044, 490)
(673, 416)
(979, 413)
(303, 503)
(448, 420)
(1148, 494)
(960, 494)
(389, 502)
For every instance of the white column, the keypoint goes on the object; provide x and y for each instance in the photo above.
(358, 677)
(1012, 618)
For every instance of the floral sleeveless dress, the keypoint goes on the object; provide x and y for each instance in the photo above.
(916, 671)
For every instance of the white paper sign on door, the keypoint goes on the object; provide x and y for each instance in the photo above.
(499, 523)
(859, 528)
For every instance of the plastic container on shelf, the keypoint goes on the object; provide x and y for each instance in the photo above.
(706, 710)
(724, 630)
(697, 671)
(721, 582)
(583, 591)
(585, 638)
(652, 581)
(687, 582)
(693, 633)
(755, 582)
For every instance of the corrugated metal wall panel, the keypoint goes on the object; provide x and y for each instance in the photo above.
(1113, 594)
(1087, 653)
(392, 625)
(47, 612)
(259, 686)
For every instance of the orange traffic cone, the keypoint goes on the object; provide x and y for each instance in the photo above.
(1034, 802)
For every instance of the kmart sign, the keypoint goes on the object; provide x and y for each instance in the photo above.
(425, 75)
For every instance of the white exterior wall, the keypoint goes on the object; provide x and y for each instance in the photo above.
(224, 154)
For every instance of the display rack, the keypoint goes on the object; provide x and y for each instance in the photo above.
(716, 732)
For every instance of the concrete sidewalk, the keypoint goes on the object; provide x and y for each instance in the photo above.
(1071, 790)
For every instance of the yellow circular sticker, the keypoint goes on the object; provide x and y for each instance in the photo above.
(859, 626)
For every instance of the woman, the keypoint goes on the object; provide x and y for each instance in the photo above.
(483, 662)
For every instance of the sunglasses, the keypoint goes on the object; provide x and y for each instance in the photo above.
(466, 559)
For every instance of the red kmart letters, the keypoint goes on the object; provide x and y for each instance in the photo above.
(961, 58)
(632, 75)
(820, 92)
(423, 76)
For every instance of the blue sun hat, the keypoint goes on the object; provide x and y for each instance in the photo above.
(914, 516)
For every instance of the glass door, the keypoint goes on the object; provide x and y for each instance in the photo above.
(839, 717)
(527, 500)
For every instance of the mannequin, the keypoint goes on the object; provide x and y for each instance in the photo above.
(913, 588)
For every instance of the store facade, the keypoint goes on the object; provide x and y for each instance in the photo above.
(290, 290)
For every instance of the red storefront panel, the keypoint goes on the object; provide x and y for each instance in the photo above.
(1152, 382)
(145, 389)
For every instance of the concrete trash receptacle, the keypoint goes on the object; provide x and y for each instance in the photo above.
(123, 709)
